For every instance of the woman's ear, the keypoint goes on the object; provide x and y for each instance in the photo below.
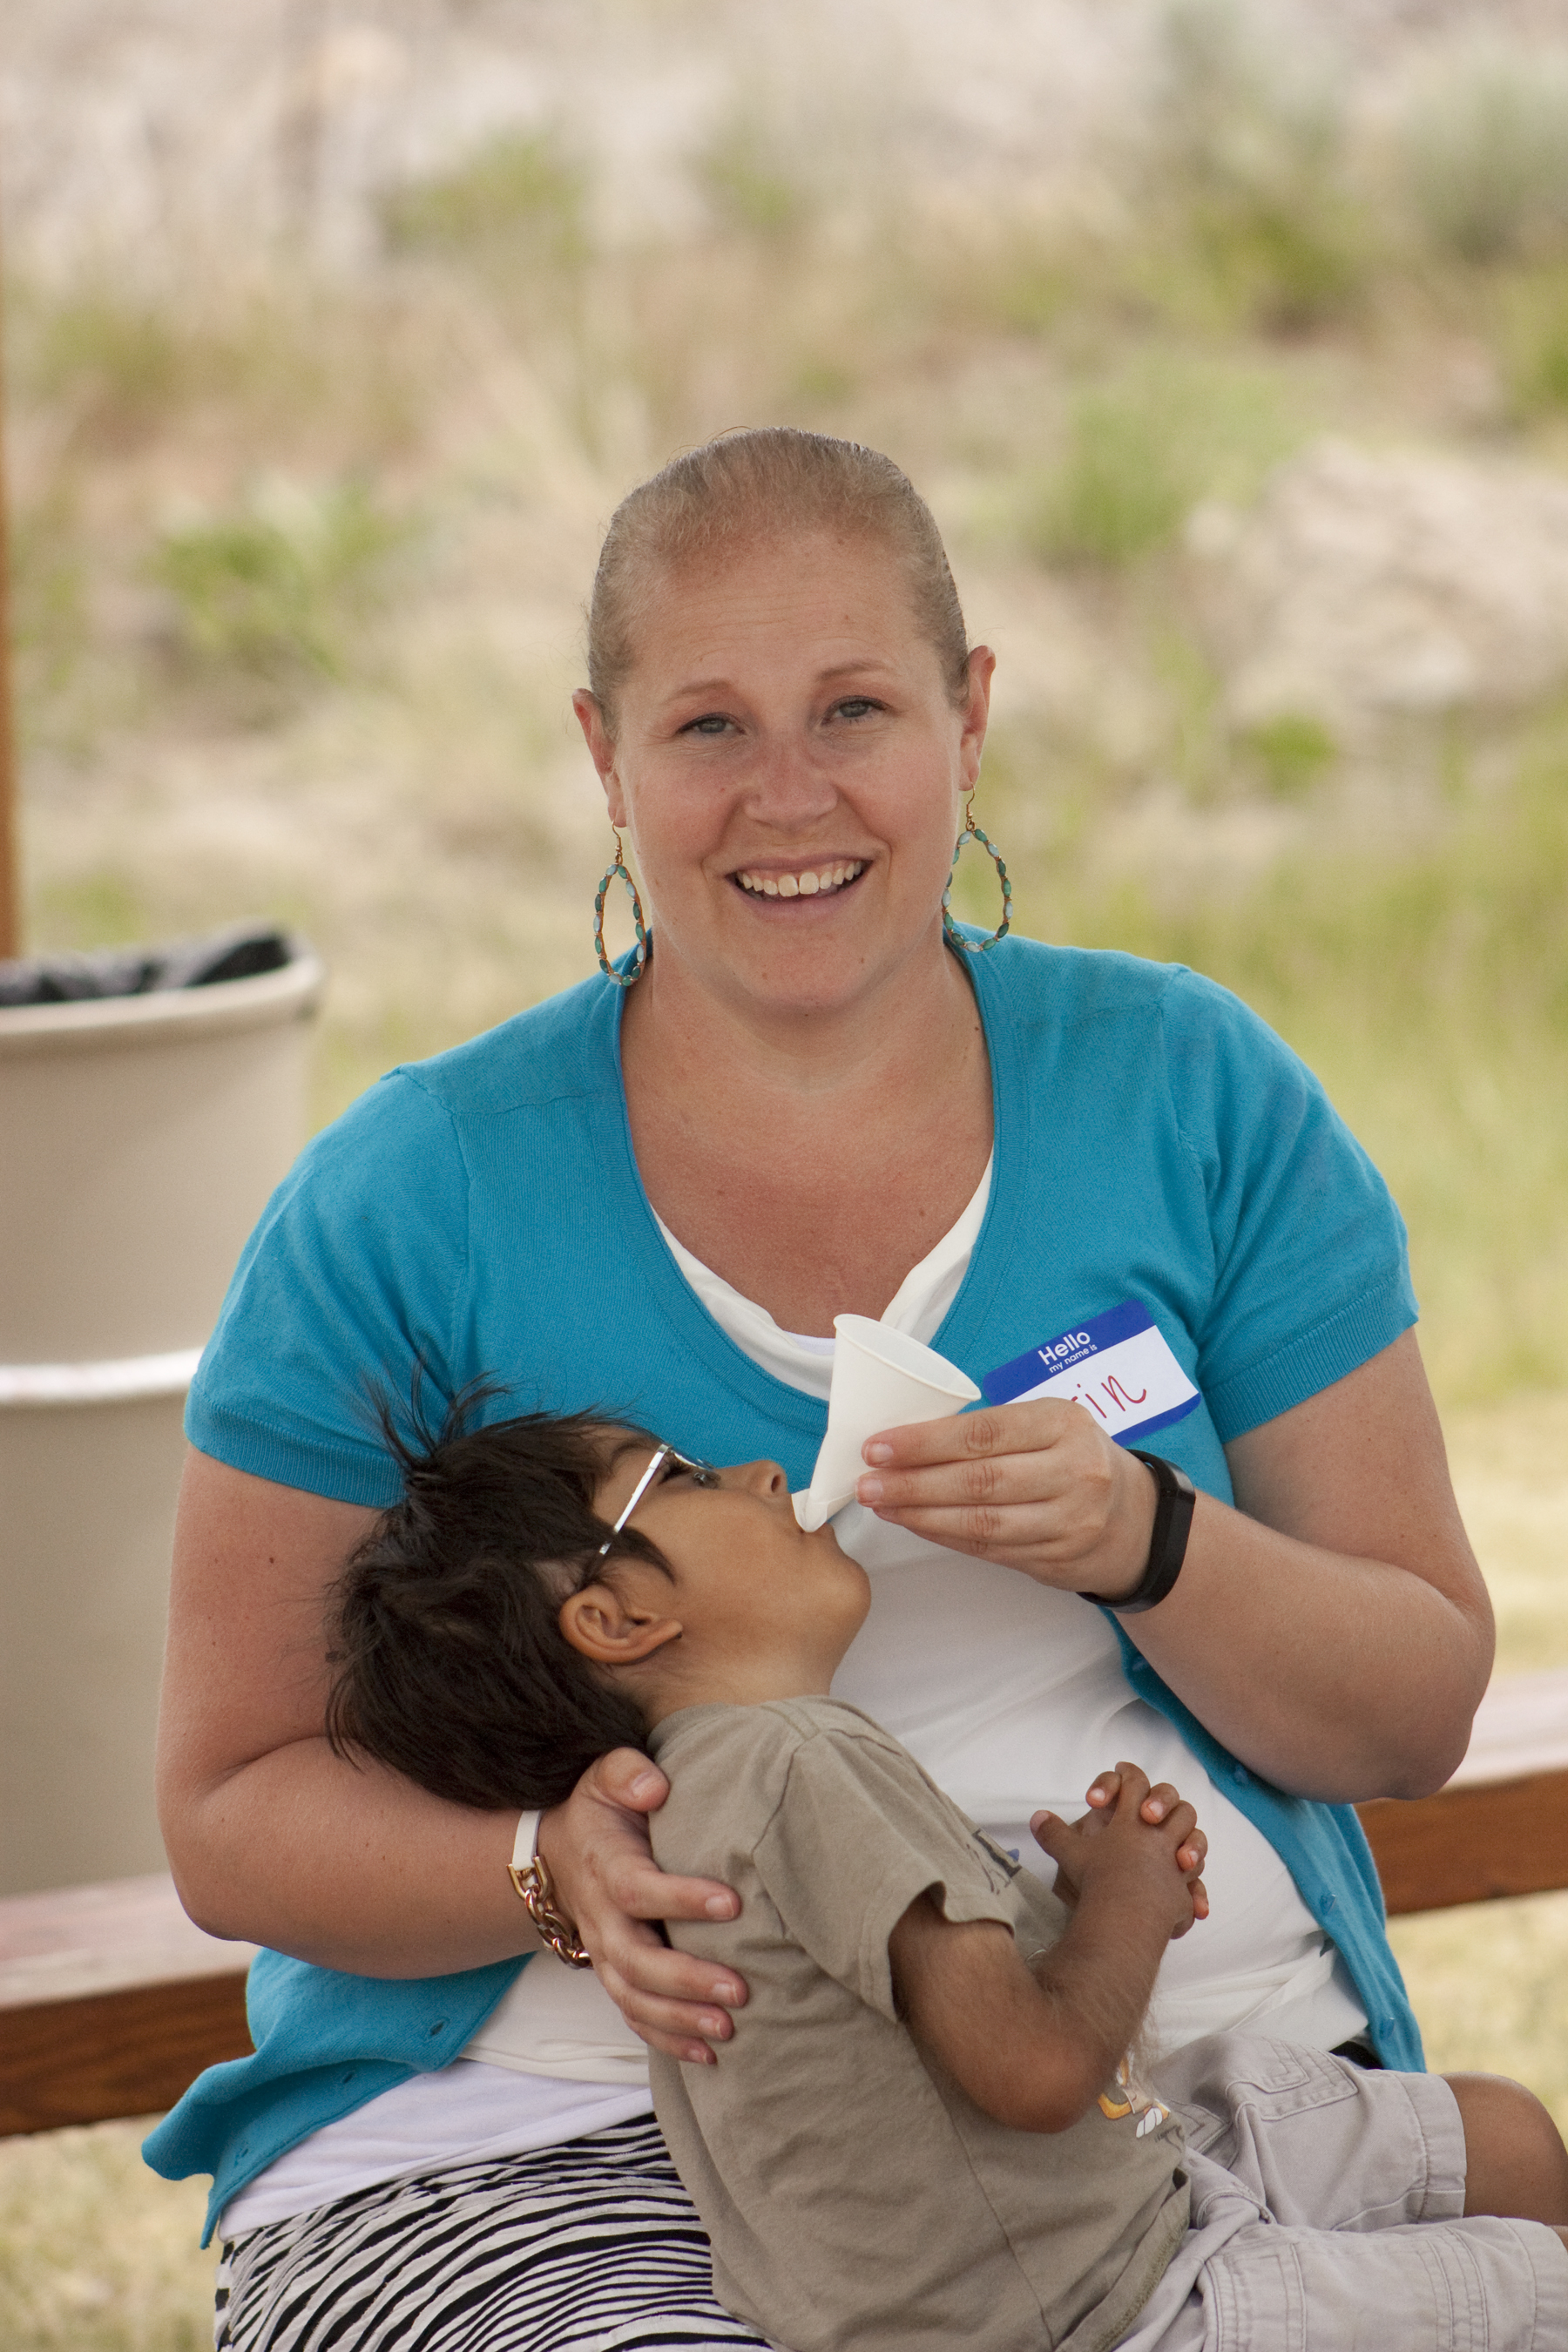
(602, 750)
(601, 1625)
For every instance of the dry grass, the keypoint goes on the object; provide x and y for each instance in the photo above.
(96, 2255)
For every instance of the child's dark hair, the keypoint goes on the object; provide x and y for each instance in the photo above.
(451, 1665)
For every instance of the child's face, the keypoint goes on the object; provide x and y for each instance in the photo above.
(748, 1589)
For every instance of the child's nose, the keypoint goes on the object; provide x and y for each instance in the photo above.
(765, 1478)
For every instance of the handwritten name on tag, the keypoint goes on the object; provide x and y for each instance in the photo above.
(1117, 1366)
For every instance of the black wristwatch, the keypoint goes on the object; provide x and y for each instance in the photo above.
(1167, 1543)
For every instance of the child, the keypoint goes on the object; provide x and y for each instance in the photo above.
(926, 2130)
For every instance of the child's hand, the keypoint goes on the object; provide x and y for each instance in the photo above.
(1138, 1836)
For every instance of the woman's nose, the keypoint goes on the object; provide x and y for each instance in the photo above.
(786, 788)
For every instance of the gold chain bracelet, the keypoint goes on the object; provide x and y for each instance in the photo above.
(532, 1884)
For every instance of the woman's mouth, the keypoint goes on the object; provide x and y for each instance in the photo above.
(801, 882)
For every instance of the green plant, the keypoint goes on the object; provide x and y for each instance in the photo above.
(277, 585)
(1535, 341)
(1485, 151)
(519, 197)
(749, 183)
(1250, 169)
(1140, 452)
(1122, 487)
(1293, 751)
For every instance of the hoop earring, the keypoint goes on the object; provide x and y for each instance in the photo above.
(955, 936)
(644, 946)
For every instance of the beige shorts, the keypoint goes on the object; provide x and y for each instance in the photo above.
(1327, 2217)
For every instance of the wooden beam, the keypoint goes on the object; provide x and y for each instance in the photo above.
(1471, 1844)
(111, 2003)
(132, 2052)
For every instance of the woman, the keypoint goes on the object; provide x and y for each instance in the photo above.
(653, 1197)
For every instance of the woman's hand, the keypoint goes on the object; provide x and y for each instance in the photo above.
(1332, 1628)
(596, 1849)
(1039, 1487)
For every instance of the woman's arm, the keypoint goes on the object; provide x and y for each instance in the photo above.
(1333, 1630)
(274, 1839)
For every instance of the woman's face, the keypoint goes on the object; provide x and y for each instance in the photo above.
(790, 766)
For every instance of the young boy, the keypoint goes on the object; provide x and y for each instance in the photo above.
(927, 2129)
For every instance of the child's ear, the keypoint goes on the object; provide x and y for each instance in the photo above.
(611, 1631)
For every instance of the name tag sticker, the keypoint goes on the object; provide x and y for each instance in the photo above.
(1117, 1366)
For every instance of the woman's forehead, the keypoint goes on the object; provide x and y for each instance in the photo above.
(838, 604)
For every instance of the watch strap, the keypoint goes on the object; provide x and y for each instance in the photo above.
(1173, 1508)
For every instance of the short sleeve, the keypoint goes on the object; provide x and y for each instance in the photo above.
(857, 1834)
(1311, 1268)
(352, 1280)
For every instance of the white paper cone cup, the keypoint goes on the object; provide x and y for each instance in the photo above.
(882, 1380)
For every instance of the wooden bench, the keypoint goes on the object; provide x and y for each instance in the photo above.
(111, 2002)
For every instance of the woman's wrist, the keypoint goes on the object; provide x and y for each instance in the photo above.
(1175, 1498)
(1125, 1551)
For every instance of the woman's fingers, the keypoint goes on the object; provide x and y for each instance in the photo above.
(677, 2003)
(1039, 1487)
(595, 1847)
(597, 1851)
(630, 1778)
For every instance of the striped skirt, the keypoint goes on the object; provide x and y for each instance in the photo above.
(593, 2246)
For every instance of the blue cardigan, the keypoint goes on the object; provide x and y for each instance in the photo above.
(482, 1214)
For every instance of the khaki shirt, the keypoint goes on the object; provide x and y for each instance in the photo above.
(854, 2194)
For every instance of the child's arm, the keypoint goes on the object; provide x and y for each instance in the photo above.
(1034, 2047)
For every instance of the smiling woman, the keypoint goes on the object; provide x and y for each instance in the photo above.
(661, 1194)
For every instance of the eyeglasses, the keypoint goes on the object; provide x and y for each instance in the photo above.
(703, 1472)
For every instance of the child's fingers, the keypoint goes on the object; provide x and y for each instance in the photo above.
(1200, 1910)
(1052, 1835)
(1160, 1801)
(1180, 1825)
(1103, 1790)
(1193, 1852)
(1133, 1785)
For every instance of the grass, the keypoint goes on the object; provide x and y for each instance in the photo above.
(518, 199)
(1140, 451)
(96, 2254)
(282, 581)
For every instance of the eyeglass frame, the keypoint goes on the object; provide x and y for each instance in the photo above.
(703, 1472)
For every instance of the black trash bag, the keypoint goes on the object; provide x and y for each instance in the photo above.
(240, 952)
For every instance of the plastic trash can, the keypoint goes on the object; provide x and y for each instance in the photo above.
(150, 1100)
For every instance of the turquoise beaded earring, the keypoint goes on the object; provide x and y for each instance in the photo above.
(971, 830)
(644, 946)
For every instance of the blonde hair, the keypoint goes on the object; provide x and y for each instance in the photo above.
(760, 484)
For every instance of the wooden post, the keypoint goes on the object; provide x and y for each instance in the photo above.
(10, 860)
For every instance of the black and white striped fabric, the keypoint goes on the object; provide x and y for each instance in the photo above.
(593, 2246)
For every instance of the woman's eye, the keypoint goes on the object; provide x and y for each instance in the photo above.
(856, 705)
(712, 723)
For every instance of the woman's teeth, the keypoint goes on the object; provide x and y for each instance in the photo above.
(810, 884)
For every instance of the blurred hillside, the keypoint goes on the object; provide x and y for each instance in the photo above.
(1230, 344)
